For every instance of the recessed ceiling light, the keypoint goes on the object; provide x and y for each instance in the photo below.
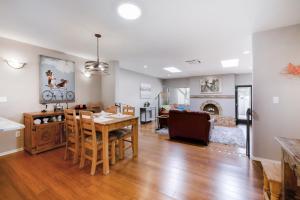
(172, 69)
(169, 75)
(246, 52)
(230, 63)
(145, 66)
(129, 11)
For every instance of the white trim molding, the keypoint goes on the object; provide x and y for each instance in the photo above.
(11, 151)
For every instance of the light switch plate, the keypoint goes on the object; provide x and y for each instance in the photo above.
(3, 99)
(275, 100)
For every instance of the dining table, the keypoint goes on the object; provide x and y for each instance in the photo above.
(108, 122)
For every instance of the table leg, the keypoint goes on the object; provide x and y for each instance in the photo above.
(135, 136)
(105, 151)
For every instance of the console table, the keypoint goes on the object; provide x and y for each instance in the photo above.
(147, 114)
(290, 163)
(46, 135)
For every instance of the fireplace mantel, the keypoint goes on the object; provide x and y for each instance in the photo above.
(213, 96)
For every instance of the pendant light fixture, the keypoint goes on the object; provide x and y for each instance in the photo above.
(97, 66)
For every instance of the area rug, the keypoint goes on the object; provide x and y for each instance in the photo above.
(219, 134)
(228, 135)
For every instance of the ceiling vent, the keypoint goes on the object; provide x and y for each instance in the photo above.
(193, 62)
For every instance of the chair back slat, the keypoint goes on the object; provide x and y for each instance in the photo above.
(87, 126)
(111, 109)
(70, 122)
(128, 110)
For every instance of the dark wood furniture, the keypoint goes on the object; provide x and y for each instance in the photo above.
(163, 121)
(44, 136)
(290, 168)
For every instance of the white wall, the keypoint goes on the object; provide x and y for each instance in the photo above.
(128, 88)
(243, 79)
(272, 51)
(108, 85)
(21, 87)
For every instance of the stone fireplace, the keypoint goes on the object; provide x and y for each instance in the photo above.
(211, 106)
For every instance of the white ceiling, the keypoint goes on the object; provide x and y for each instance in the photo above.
(168, 32)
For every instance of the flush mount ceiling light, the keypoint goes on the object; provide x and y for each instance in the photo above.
(172, 69)
(129, 11)
(230, 63)
(96, 66)
(15, 64)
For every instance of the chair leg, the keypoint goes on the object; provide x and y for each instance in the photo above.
(121, 149)
(76, 153)
(113, 152)
(82, 158)
(66, 150)
(94, 161)
(132, 147)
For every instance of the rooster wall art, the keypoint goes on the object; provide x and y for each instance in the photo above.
(292, 69)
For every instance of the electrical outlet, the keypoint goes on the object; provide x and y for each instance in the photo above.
(18, 133)
(3, 99)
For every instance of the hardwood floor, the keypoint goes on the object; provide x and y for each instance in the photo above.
(163, 170)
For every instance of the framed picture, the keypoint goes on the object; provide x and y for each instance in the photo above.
(210, 84)
(146, 91)
(57, 80)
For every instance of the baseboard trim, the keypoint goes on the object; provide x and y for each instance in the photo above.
(11, 151)
(263, 159)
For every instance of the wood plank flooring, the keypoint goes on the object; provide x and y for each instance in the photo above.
(164, 170)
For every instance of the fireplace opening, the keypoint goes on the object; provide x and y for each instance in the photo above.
(211, 108)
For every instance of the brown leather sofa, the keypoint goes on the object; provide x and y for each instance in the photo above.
(189, 125)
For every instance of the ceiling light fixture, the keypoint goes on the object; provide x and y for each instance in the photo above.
(87, 74)
(145, 66)
(15, 64)
(230, 63)
(193, 62)
(172, 69)
(97, 66)
(129, 11)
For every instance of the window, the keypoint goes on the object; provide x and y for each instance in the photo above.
(183, 95)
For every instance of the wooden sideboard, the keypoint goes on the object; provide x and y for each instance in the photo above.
(44, 136)
(290, 171)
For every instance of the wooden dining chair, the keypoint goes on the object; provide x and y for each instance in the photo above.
(92, 142)
(126, 133)
(95, 107)
(72, 135)
(111, 109)
(128, 110)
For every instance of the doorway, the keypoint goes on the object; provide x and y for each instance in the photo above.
(243, 101)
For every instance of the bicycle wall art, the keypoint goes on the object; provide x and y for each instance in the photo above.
(57, 80)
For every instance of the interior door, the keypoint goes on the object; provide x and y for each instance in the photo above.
(243, 101)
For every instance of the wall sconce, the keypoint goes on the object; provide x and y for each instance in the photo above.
(87, 74)
(15, 64)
